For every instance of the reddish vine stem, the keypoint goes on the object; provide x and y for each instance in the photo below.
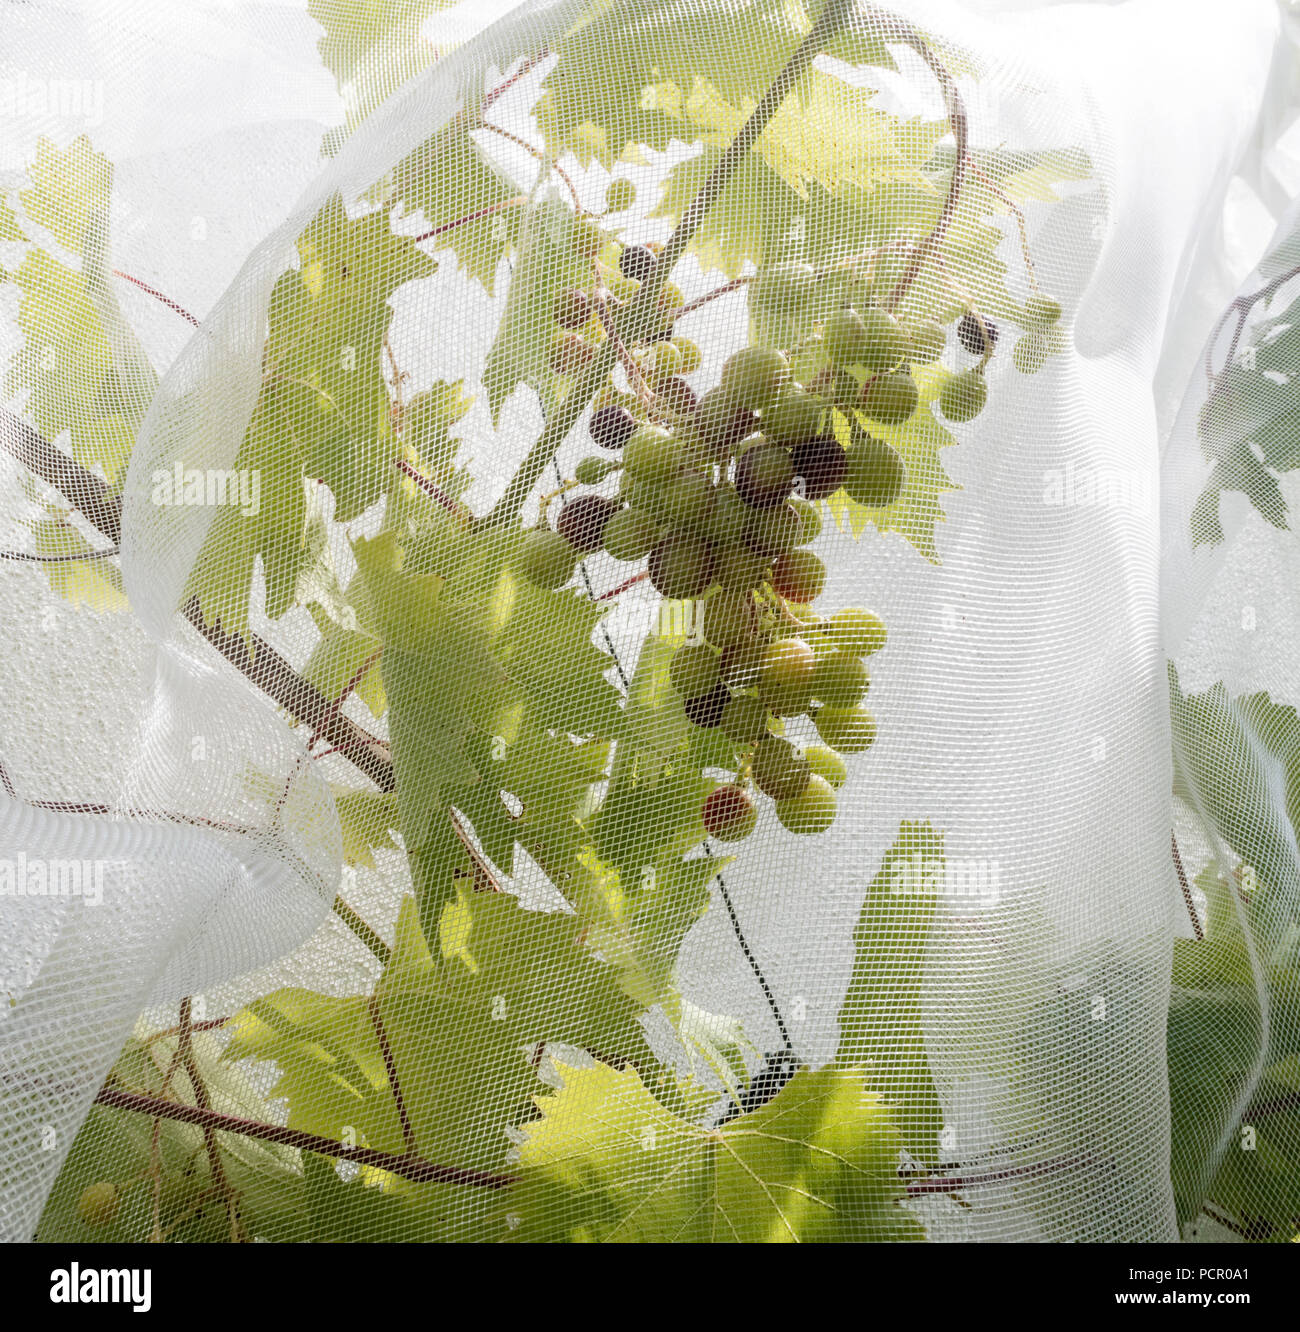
(623, 586)
(1242, 307)
(418, 1171)
(550, 163)
(1186, 887)
(430, 488)
(390, 1068)
(957, 1183)
(28, 557)
(518, 201)
(725, 290)
(157, 295)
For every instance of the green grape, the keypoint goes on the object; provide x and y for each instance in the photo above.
(845, 338)
(783, 289)
(671, 297)
(729, 516)
(779, 771)
(827, 764)
(793, 416)
(651, 452)
(728, 618)
(752, 376)
(620, 195)
(744, 719)
(691, 357)
(764, 475)
(772, 531)
(963, 396)
(680, 567)
(1041, 312)
(682, 500)
(811, 811)
(810, 520)
(842, 389)
(857, 632)
(570, 353)
(891, 399)
(720, 425)
(840, 680)
(664, 361)
(547, 559)
(693, 670)
(587, 238)
(631, 534)
(738, 568)
(1030, 354)
(592, 471)
(97, 1206)
(740, 665)
(926, 342)
(846, 730)
(798, 575)
(728, 813)
(876, 474)
(885, 343)
(785, 676)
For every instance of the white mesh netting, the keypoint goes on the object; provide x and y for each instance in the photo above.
(448, 464)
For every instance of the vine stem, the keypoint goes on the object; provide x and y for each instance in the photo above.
(407, 1167)
(1242, 307)
(1186, 887)
(832, 18)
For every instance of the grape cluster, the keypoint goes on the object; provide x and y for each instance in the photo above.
(719, 493)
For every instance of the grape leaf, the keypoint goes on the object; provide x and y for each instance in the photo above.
(366, 819)
(323, 411)
(880, 1018)
(607, 1163)
(95, 583)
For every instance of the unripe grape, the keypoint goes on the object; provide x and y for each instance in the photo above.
(546, 558)
(811, 811)
(744, 719)
(611, 427)
(822, 464)
(963, 396)
(876, 473)
(728, 814)
(752, 376)
(685, 499)
(651, 453)
(772, 531)
(693, 670)
(765, 476)
(98, 1205)
(631, 534)
(840, 680)
(857, 632)
(691, 357)
(728, 618)
(977, 334)
(1041, 312)
(592, 471)
(587, 237)
(778, 771)
(926, 343)
(572, 310)
(844, 338)
(706, 709)
(740, 665)
(738, 568)
(670, 297)
(810, 520)
(785, 676)
(720, 425)
(846, 730)
(729, 517)
(885, 341)
(582, 521)
(827, 764)
(842, 389)
(570, 354)
(783, 288)
(793, 416)
(636, 262)
(620, 195)
(798, 575)
(664, 360)
(891, 399)
(678, 396)
(1030, 354)
(680, 566)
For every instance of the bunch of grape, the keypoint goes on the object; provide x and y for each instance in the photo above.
(720, 494)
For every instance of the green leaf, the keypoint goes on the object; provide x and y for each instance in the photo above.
(367, 819)
(880, 1019)
(607, 1163)
(95, 584)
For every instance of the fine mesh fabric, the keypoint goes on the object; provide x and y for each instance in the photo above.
(368, 869)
